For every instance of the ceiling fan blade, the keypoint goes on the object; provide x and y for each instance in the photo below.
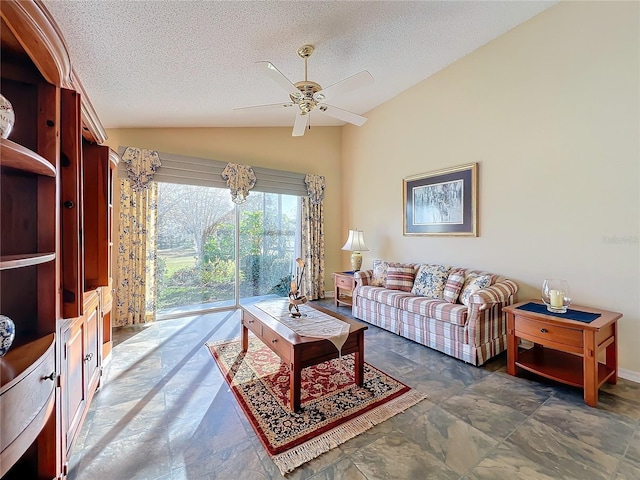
(277, 76)
(344, 86)
(341, 114)
(267, 106)
(300, 124)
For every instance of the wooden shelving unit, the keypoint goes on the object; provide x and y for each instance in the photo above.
(48, 377)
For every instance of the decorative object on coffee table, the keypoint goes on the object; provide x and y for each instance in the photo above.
(556, 295)
(7, 117)
(295, 294)
(355, 244)
(334, 408)
(7, 334)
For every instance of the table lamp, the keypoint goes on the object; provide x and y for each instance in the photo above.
(355, 244)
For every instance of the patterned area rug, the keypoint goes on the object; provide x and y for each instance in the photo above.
(333, 408)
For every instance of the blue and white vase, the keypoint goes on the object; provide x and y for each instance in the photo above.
(7, 334)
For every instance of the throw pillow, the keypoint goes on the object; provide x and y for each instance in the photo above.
(430, 281)
(472, 283)
(454, 285)
(400, 277)
(379, 277)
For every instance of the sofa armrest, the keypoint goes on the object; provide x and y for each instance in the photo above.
(503, 292)
(363, 277)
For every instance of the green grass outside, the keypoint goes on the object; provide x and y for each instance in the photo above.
(177, 258)
(176, 263)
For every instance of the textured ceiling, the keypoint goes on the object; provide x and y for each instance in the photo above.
(191, 63)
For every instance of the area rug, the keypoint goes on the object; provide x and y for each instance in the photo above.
(333, 408)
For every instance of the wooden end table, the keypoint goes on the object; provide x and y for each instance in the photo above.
(565, 350)
(343, 282)
(300, 351)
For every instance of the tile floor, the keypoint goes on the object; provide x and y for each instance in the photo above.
(164, 412)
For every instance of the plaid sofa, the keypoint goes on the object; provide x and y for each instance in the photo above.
(473, 333)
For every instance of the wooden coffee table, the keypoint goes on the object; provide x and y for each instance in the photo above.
(299, 351)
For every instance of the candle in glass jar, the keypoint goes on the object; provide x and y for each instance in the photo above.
(557, 298)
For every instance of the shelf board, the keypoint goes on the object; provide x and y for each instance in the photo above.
(559, 366)
(26, 260)
(21, 158)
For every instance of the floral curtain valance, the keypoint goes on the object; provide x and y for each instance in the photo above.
(141, 166)
(240, 179)
(315, 188)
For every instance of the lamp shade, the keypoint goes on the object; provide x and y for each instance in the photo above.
(355, 242)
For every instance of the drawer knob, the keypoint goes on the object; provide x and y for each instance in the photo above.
(250, 321)
(544, 330)
(274, 340)
(51, 376)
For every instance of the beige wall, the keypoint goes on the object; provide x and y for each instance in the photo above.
(550, 111)
(318, 152)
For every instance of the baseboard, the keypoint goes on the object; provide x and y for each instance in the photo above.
(629, 375)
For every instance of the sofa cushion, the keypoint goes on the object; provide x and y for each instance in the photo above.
(400, 277)
(472, 283)
(379, 273)
(436, 309)
(454, 285)
(430, 281)
(381, 295)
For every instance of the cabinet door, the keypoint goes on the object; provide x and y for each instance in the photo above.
(71, 211)
(93, 345)
(96, 215)
(75, 393)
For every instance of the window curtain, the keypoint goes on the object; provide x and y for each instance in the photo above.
(312, 226)
(240, 179)
(135, 272)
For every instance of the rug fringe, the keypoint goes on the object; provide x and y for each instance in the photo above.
(293, 458)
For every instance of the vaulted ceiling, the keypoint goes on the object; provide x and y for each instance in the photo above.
(192, 63)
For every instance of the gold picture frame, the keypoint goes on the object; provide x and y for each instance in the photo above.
(444, 202)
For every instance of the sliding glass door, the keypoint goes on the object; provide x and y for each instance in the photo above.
(214, 254)
(267, 244)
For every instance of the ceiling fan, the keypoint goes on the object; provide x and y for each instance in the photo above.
(310, 96)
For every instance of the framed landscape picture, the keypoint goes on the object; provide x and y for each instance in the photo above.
(442, 202)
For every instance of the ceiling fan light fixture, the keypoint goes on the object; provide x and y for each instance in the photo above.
(309, 95)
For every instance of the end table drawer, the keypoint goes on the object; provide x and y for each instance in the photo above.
(546, 332)
(344, 282)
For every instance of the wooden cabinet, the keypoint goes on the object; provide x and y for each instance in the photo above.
(49, 375)
(27, 397)
(96, 219)
(71, 212)
(99, 164)
(81, 363)
(29, 262)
